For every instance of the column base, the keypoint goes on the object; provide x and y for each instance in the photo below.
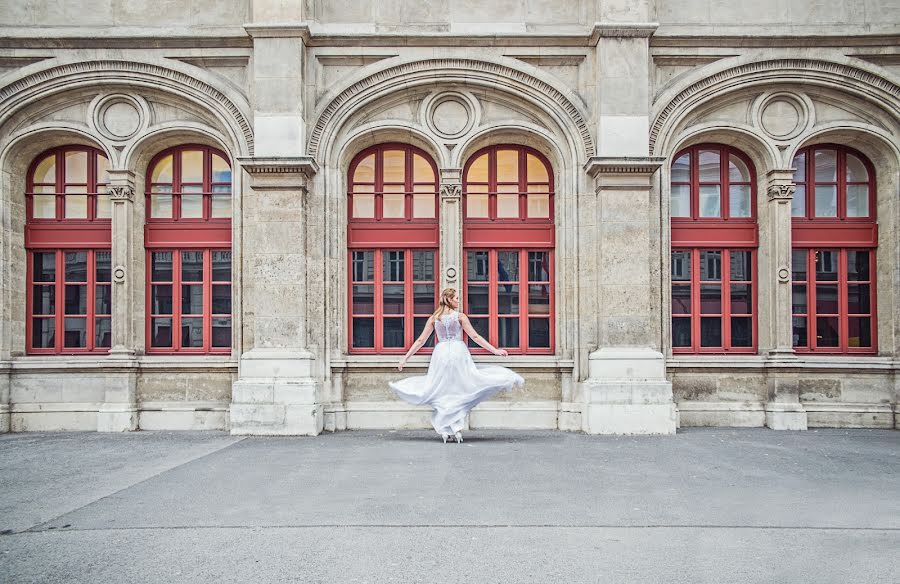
(785, 416)
(117, 418)
(5, 418)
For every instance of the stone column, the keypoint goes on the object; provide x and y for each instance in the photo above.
(783, 410)
(626, 391)
(451, 258)
(119, 412)
(4, 399)
(277, 392)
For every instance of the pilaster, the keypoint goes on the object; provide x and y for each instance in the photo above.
(451, 228)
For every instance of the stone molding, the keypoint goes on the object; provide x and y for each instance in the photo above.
(121, 193)
(598, 165)
(781, 68)
(451, 191)
(622, 29)
(123, 71)
(432, 68)
(304, 165)
(781, 192)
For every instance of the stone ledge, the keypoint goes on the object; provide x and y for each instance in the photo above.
(420, 362)
(801, 362)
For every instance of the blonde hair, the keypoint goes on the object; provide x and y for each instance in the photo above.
(444, 301)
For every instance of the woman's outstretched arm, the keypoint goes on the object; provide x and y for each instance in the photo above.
(470, 330)
(423, 338)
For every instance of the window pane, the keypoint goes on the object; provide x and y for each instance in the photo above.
(192, 266)
(365, 170)
(859, 332)
(539, 333)
(392, 336)
(710, 201)
(44, 266)
(162, 172)
(826, 201)
(741, 299)
(681, 201)
(826, 298)
(798, 202)
(799, 299)
(75, 333)
(508, 332)
(477, 299)
(43, 206)
(539, 299)
(102, 266)
(221, 171)
(856, 170)
(161, 206)
(363, 266)
(422, 169)
(741, 331)
(363, 299)
(740, 266)
(858, 265)
(798, 261)
(481, 327)
(394, 166)
(161, 266)
(857, 200)
(191, 299)
(858, 299)
(43, 300)
(192, 166)
(681, 169)
(477, 266)
(507, 299)
(478, 170)
(364, 333)
(76, 167)
(363, 206)
(76, 206)
(508, 188)
(826, 166)
(103, 300)
(737, 170)
(103, 333)
(538, 266)
(221, 299)
(710, 169)
(711, 331)
(423, 298)
(76, 266)
(507, 266)
(476, 205)
(827, 265)
(507, 206)
(739, 200)
(221, 266)
(392, 206)
(423, 206)
(423, 265)
(221, 206)
(710, 266)
(419, 326)
(827, 332)
(76, 189)
(800, 167)
(681, 266)
(192, 332)
(43, 333)
(221, 332)
(45, 171)
(161, 299)
(538, 206)
(393, 266)
(161, 332)
(710, 299)
(681, 299)
(681, 332)
(537, 171)
(799, 331)
(104, 207)
(507, 165)
(393, 299)
(192, 206)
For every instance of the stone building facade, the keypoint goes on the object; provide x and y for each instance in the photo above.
(224, 214)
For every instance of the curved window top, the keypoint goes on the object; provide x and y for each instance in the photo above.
(189, 183)
(833, 183)
(508, 183)
(712, 182)
(392, 182)
(68, 183)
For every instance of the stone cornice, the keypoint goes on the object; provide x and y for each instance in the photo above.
(622, 29)
(663, 38)
(599, 165)
(304, 165)
(262, 30)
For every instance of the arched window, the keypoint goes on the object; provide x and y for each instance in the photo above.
(714, 241)
(188, 241)
(834, 238)
(67, 238)
(509, 241)
(392, 240)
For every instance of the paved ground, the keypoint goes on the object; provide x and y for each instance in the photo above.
(716, 505)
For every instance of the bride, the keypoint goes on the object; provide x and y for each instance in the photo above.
(454, 384)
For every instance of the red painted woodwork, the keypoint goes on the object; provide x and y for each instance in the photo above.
(699, 234)
(184, 236)
(814, 234)
(807, 177)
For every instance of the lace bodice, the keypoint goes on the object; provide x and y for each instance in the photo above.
(448, 328)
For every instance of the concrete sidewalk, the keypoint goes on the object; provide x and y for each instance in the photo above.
(707, 505)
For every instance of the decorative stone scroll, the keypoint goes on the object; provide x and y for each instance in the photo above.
(121, 193)
(452, 191)
(783, 193)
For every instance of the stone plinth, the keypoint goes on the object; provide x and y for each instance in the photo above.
(627, 393)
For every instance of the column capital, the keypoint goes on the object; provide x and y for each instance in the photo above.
(781, 185)
(121, 193)
(451, 191)
(623, 172)
(121, 176)
(279, 172)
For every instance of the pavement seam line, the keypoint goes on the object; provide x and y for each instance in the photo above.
(36, 527)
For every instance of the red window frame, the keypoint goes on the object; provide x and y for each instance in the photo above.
(92, 187)
(209, 188)
(379, 235)
(726, 232)
(523, 234)
(207, 315)
(695, 310)
(806, 176)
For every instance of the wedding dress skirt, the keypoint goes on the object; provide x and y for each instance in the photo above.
(454, 384)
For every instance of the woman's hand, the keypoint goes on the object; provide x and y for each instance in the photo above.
(401, 364)
(501, 353)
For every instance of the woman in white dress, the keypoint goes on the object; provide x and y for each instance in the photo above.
(454, 384)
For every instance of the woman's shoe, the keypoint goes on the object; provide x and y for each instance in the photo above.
(445, 437)
(458, 437)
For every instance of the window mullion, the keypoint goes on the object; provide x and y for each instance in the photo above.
(493, 308)
(843, 304)
(725, 293)
(725, 195)
(89, 324)
(813, 325)
(408, 286)
(207, 300)
(378, 296)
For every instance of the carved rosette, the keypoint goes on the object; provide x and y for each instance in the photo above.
(781, 192)
(451, 191)
(121, 193)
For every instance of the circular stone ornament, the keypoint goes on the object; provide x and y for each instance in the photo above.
(782, 116)
(451, 114)
(120, 117)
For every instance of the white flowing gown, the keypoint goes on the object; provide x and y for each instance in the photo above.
(454, 384)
